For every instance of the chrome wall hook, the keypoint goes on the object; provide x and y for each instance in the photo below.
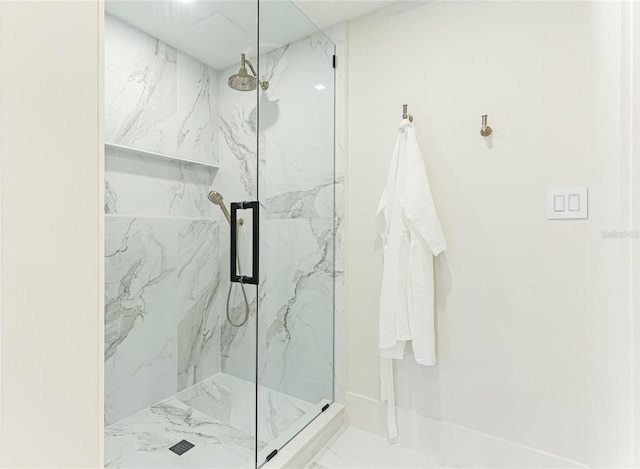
(485, 130)
(405, 114)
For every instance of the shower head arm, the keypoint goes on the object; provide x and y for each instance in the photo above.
(253, 70)
(263, 84)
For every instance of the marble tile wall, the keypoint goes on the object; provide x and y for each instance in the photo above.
(297, 180)
(141, 358)
(164, 239)
(296, 170)
(158, 98)
(163, 283)
(161, 330)
(237, 180)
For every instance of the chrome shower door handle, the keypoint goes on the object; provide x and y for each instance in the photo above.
(254, 206)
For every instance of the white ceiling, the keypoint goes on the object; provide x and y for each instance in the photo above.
(216, 32)
(325, 13)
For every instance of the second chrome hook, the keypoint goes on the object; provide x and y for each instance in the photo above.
(485, 130)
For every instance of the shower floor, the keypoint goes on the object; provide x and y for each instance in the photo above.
(217, 415)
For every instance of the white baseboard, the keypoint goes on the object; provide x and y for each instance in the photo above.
(454, 445)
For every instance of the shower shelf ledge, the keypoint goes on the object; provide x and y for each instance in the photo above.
(153, 154)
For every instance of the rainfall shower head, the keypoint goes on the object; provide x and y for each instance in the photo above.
(242, 81)
(216, 198)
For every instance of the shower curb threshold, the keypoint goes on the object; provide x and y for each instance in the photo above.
(300, 451)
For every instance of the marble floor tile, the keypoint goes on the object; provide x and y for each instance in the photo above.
(217, 415)
(231, 400)
(357, 449)
(148, 435)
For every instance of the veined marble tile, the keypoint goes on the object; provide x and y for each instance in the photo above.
(281, 417)
(239, 146)
(161, 100)
(137, 185)
(119, 455)
(238, 344)
(198, 291)
(236, 181)
(316, 202)
(140, 303)
(232, 400)
(226, 398)
(296, 317)
(339, 340)
(188, 187)
(339, 223)
(296, 181)
(197, 86)
(152, 432)
(217, 416)
(297, 131)
(140, 89)
(297, 176)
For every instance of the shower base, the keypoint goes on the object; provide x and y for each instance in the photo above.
(218, 417)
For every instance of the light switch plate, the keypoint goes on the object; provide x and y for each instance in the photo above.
(565, 203)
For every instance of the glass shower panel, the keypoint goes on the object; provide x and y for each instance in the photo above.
(296, 191)
(181, 147)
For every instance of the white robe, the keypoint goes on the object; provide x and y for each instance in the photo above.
(411, 235)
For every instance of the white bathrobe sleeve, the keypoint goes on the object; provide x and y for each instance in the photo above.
(417, 200)
(427, 240)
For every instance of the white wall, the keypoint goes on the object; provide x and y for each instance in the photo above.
(51, 235)
(512, 290)
(635, 217)
(610, 260)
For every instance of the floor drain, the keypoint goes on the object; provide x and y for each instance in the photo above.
(181, 447)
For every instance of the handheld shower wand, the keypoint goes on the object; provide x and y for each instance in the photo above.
(217, 199)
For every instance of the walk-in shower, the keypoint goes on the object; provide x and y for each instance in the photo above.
(219, 310)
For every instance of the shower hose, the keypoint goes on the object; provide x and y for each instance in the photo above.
(244, 293)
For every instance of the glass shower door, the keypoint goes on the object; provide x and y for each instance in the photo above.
(296, 192)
